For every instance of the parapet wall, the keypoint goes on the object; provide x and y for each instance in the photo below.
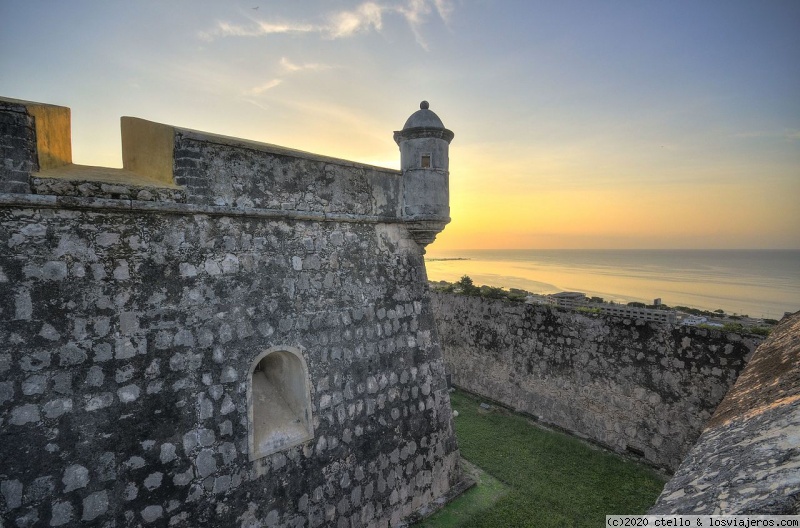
(634, 386)
(185, 166)
(748, 459)
(248, 175)
(135, 308)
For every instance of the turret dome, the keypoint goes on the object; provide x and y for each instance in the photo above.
(423, 118)
(423, 123)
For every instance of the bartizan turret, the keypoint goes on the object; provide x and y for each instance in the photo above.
(424, 160)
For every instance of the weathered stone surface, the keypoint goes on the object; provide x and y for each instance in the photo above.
(634, 386)
(748, 459)
(129, 327)
(95, 505)
(151, 513)
(219, 172)
(18, 139)
(61, 187)
(62, 513)
(75, 476)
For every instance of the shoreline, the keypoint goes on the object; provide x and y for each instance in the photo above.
(717, 319)
(756, 283)
(683, 311)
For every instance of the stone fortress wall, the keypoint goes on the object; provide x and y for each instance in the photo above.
(232, 333)
(222, 333)
(634, 386)
(747, 460)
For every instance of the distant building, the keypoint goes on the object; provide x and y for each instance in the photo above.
(573, 300)
(535, 298)
(658, 316)
(693, 320)
(569, 300)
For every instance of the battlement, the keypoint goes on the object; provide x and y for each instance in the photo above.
(206, 172)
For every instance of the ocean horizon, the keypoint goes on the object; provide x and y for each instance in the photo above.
(754, 282)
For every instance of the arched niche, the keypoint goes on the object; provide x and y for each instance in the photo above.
(279, 402)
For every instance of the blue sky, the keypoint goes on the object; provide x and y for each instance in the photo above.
(578, 124)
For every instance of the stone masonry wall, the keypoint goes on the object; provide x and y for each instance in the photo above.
(747, 460)
(631, 385)
(129, 325)
(213, 173)
(18, 148)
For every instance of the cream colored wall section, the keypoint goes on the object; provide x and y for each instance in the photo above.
(148, 149)
(53, 134)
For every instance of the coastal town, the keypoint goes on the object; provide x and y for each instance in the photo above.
(656, 312)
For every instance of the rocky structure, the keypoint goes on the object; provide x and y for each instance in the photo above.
(634, 386)
(222, 333)
(747, 460)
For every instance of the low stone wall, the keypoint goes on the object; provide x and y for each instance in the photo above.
(634, 386)
(748, 459)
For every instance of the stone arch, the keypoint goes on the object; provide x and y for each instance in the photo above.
(278, 402)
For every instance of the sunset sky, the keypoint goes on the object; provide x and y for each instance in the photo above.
(578, 124)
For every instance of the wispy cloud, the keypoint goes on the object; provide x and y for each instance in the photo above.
(366, 17)
(256, 29)
(415, 13)
(258, 90)
(444, 8)
(290, 67)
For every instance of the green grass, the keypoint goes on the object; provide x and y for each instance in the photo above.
(553, 479)
(487, 491)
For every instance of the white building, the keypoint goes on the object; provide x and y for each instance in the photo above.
(570, 300)
(573, 300)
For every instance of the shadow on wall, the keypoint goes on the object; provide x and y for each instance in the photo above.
(279, 407)
(636, 387)
(748, 459)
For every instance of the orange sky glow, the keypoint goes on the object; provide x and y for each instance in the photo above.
(577, 125)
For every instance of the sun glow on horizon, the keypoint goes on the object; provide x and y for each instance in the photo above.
(642, 125)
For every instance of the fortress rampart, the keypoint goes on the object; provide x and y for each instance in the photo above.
(634, 386)
(221, 333)
(747, 460)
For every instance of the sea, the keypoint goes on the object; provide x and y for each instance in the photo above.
(756, 283)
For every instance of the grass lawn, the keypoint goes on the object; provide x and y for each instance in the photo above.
(552, 479)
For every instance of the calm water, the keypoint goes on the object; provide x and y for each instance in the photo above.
(759, 283)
